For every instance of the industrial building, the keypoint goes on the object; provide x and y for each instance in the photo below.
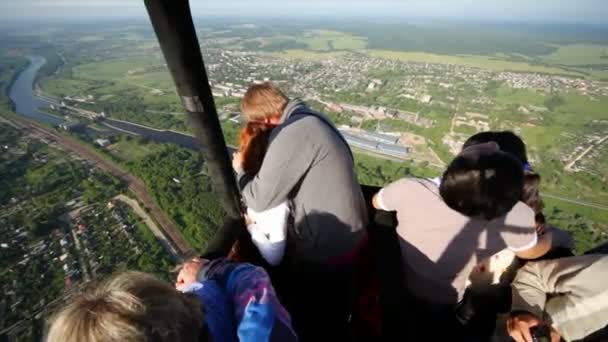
(73, 125)
(377, 143)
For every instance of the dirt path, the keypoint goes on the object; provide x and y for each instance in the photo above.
(134, 183)
(158, 233)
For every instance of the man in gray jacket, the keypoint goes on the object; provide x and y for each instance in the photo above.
(308, 164)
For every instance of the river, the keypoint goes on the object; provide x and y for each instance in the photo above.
(27, 104)
(22, 93)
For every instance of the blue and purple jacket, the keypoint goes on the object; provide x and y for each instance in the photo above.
(240, 303)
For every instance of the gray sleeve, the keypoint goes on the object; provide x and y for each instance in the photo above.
(289, 157)
(529, 291)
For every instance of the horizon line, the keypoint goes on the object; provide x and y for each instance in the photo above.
(305, 17)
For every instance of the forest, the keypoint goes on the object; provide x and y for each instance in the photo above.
(175, 177)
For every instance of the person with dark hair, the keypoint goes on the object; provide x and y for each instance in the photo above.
(447, 226)
(253, 142)
(511, 143)
(482, 182)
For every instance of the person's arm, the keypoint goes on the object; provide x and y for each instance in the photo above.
(272, 252)
(388, 197)
(376, 202)
(528, 291)
(258, 313)
(269, 231)
(289, 157)
(542, 246)
(188, 278)
(519, 326)
(528, 300)
(520, 236)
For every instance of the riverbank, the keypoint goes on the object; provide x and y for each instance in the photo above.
(9, 86)
(22, 96)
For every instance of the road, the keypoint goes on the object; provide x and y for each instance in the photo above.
(585, 204)
(441, 162)
(570, 165)
(85, 260)
(135, 184)
(158, 233)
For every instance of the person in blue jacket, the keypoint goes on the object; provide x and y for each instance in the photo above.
(219, 300)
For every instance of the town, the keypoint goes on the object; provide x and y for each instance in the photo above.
(436, 105)
(59, 230)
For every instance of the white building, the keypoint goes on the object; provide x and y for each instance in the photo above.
(102, 142)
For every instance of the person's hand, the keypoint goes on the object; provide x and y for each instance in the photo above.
(555, 336)
(519, 326)
(189, 273)
(248, 220)
(541, 229)
(237, 161)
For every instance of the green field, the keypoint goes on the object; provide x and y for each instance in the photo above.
(113, 69)
(482, 62)
(571, 60)
(67, 86)
(133, 149)
(588, 226)
(310, 40)
(325, 40)
(578, 54)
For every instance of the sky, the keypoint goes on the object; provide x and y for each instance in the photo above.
(589, 11)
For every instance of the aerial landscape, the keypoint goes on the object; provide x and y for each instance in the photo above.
(97, 151)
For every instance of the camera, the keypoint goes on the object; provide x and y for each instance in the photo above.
(541, 333)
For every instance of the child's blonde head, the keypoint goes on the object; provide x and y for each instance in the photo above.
(132, 307)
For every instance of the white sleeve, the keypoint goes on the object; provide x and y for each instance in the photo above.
(272, 252)
(532, 242)
(380, 200)
(269, 231)
(391, 196)
(519, 228)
